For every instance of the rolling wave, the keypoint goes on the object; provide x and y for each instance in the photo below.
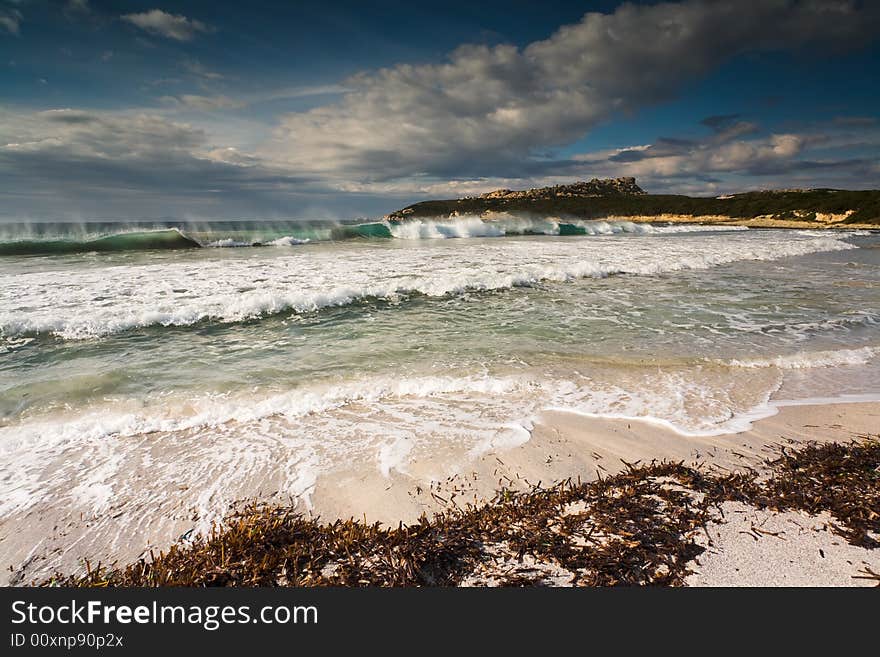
(149, 240)
(188, 293)
(509, 225)
(252, 234)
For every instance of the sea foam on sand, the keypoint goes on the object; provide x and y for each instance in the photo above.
(562, 445)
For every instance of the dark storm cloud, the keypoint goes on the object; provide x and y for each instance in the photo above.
(105, 157)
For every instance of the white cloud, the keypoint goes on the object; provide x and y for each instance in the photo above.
(66, 162)
(10, 20)
(685, 166)
(212, 103)
(487, 117)
(711, 157)
(171, 26)
(89, 134)
(231, 155)
(736, 157)
(492, 108)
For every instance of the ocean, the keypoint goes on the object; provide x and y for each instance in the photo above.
(162, 371)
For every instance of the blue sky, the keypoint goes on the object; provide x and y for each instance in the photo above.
(320, 109)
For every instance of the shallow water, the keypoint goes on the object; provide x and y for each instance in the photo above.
(138, 374)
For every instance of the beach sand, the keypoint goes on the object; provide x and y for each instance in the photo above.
(563, 445)
(753, 547)
(570, 445)
(788, 549)
(762, 221)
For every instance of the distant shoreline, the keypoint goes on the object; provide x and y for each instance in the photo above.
(762, 221)
(623, 200)
(755, 222)
(700, 220)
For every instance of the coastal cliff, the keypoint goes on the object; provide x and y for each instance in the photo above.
(622, 198)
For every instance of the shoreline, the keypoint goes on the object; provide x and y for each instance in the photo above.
(755, 222)
(563, 446)
(568, 445)
(809, 519)
(763, 221)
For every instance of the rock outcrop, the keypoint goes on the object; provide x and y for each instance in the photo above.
(594, 187)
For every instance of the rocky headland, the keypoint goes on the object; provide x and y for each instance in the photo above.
(623, 199)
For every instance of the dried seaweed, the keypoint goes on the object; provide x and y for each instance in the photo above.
(637, 527)
(843, 479)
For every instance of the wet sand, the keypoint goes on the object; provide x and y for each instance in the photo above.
(569, 445)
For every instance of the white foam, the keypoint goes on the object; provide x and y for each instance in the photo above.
(742, 421)
(212, 410)
(502, 224)
(10, 344)
(806, 360)
(227, 243)
(179, 291)
(288, 241)
(198, 454)
(392, 455)
(456, 228)
(510, 435)
(86, 455)
(697, 228)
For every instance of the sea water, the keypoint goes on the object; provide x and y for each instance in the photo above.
(141, 372)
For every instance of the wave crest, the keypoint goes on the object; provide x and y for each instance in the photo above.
(86, 303)
(807, 360)
(170, 238)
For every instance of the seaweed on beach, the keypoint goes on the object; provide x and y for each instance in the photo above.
(637, 527)
(843, 479)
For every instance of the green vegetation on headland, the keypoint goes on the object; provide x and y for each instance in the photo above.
(621, 197)
(638, 527)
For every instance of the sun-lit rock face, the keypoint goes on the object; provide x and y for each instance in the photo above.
(594, 187)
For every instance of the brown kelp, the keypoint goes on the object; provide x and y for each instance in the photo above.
(637, 527)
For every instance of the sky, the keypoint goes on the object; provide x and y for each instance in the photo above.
(312, 110)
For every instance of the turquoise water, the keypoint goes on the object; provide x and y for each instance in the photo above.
(79, 328)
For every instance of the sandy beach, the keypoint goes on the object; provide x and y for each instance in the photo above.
(567, 445)
(822, 221)
(563, 445)
(788, 549)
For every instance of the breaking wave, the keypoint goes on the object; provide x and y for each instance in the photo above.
(182, 294)
(807, 360)
(170, 238)
(52, 239)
